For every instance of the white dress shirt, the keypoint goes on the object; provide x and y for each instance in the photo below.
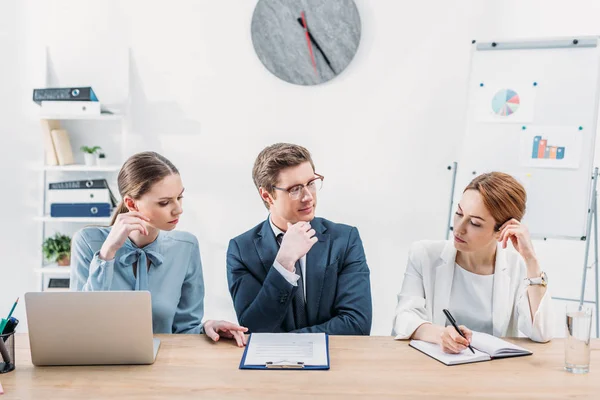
(291, 277)
(471, 300)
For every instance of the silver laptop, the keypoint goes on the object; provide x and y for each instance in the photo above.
(90, 328)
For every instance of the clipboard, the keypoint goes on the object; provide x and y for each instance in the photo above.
(289, 365)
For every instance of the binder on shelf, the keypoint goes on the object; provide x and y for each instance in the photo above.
(70, 108)
(58, 284)
(64, 94)
(62, 146)
(81, 191)
(80, 196)
(80, 184)
(58, 210)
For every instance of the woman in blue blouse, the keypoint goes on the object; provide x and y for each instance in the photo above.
(142, 251)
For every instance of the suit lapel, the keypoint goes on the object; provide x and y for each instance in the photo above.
(500, 298)
(266, 245)
(316, 263)
(444, 274)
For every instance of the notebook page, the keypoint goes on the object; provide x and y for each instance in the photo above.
(435, 351)
(496, 347)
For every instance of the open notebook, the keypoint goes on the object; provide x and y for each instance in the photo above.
(487, 347)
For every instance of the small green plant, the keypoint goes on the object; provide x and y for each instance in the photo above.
(90, 150)
(57, 248)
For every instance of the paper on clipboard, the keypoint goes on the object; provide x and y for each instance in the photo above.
(307, 348)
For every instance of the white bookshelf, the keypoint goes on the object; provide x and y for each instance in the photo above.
(82, 220)
(46, 273)
(54, 269)
(81, 168)
(98, 117)
(108, 130)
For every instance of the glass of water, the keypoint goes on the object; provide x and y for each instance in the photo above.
(578, 329)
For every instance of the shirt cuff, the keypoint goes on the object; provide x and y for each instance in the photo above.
(100, 273)
(291, 277)
(97, 262)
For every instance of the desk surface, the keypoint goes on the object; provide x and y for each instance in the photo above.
(190, 366)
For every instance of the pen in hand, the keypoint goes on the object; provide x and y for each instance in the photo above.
(455, 325)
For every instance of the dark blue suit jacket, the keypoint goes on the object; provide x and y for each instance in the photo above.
(338, 289)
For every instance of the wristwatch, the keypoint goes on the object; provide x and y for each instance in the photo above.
(540, 280)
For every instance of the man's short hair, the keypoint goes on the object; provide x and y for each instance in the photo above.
(272, 160)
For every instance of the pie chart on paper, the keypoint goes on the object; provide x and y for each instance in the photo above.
(505, 102)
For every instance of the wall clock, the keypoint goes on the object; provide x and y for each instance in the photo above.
(306, 42)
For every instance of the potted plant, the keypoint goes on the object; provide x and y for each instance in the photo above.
(89, 153)
(58, 249)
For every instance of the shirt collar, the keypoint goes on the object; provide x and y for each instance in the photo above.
(275, 229)
(129, 245)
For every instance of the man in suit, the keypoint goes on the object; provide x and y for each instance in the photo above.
(295, 272)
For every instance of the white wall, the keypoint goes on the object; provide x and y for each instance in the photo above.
(382, 133)
(17, 145)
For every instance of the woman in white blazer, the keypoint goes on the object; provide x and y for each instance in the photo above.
(485, 286)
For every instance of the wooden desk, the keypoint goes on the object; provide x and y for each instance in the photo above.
(190, 366)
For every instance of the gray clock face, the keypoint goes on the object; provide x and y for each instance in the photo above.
(306, 42)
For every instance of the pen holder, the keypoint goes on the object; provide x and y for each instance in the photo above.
(7, 352)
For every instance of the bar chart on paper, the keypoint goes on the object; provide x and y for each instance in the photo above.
(551, 146)
(544, 150)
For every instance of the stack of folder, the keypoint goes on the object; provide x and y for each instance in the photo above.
(67, 101)
(83, 198)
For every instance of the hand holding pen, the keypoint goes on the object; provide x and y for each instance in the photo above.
(455, 338)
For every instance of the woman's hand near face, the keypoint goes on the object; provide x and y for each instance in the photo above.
(124, 225)
(518, 234)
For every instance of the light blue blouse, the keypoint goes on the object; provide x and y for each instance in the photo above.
(174, 277)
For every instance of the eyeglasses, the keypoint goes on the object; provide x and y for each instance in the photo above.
(296, 191)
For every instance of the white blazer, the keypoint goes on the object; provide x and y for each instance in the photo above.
(428, 283)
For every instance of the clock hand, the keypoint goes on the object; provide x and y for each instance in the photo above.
(312, 57)
(317, 45)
